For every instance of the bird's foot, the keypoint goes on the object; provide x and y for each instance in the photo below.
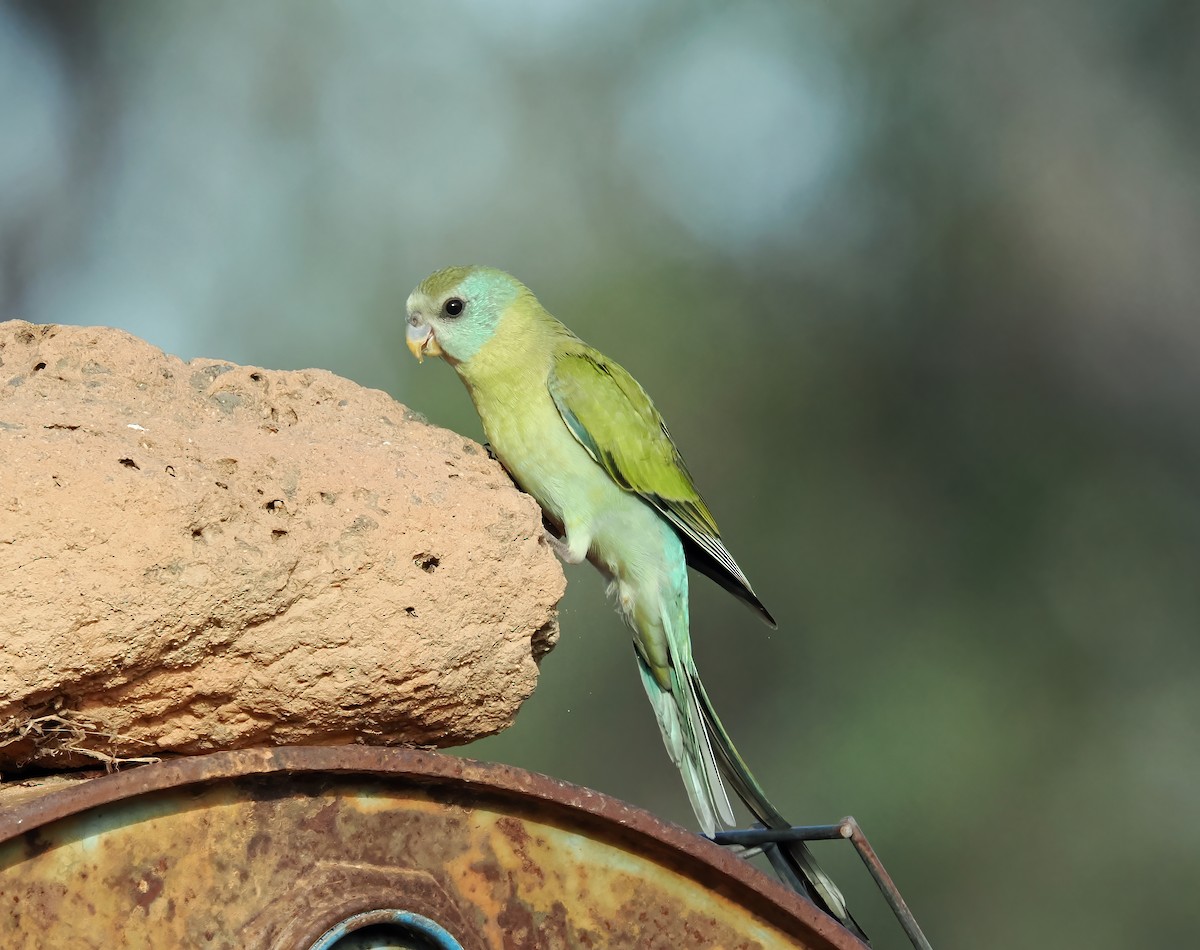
(562, 547)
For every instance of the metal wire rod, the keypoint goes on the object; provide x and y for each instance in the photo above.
(846, 828)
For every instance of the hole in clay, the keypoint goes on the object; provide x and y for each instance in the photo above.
(39, 366)
(278, 533)
(427, 562)
(411, 611)
(197, 533)
(129, 463)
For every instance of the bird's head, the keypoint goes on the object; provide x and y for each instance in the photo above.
(455, 311)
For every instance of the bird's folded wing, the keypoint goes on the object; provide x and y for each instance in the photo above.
(614, 420)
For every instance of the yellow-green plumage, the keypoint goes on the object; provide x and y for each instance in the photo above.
(579, 434)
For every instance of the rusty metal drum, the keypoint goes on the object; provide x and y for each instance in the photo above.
(321, 848)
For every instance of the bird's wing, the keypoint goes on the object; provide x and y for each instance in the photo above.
(615, 421)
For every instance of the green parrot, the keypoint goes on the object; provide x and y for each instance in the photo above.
(578, 433)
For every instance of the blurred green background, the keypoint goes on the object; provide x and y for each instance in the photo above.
(915, 285)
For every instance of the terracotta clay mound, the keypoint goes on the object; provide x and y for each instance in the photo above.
(199, 556)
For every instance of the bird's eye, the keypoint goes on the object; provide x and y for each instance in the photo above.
(454, 306)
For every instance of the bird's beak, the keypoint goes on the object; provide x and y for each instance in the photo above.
(421, 341)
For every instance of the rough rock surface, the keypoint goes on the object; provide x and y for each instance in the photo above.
(199, 556)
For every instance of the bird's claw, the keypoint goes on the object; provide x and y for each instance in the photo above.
(561, 547)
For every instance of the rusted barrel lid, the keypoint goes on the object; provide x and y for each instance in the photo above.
(315, 847)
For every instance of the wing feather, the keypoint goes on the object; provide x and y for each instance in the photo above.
(611, 416)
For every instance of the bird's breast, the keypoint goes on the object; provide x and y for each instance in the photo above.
(629, 540)
(531, 440)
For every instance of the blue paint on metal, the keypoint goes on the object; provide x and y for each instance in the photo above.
(414, 925)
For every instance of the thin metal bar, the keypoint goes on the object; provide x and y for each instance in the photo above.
(849, 829)
(891, 893)
(758, 836)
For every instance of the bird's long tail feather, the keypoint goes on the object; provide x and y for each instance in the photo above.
(681, 723)
(791, 859)
(697, 741)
